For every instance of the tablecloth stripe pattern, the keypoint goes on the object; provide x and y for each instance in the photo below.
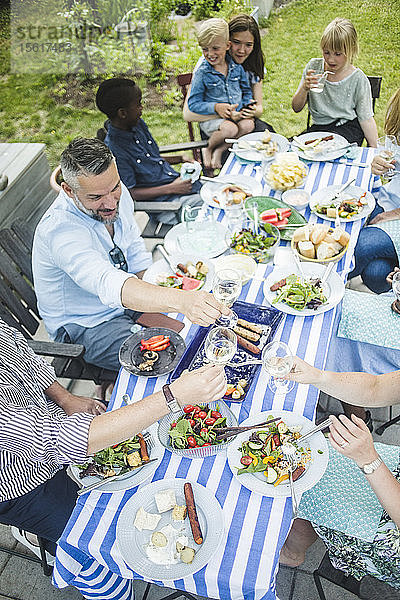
(255, 526)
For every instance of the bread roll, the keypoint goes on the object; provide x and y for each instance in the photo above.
(318, 233)
(302, 234)
(325, 250)
(266, 137)
(306, 249)
(341, 236)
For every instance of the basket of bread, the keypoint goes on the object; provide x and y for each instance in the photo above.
(320, 243)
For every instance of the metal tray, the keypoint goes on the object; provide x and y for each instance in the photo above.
(194, 356)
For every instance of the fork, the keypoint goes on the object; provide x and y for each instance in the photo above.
(337, 218)
(288, 451)
(319, 427)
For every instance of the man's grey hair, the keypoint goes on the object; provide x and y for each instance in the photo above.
(84, 156)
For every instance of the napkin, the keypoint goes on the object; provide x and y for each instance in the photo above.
(369, 318)
(343, 499)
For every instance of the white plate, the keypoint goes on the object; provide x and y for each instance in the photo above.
(208, 239)
(256, 482)
(211, 189)
(353, 191)
(132, 542)
(127, 480)
(255, 155)
(161, 266)
(333, 288)
(338, 141)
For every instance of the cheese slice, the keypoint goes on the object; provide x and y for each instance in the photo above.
(165, 500)
(145, 520)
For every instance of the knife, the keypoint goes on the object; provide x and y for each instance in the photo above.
(340, 190)
(167, 257)
(97, 484)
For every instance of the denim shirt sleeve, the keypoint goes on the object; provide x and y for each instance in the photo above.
(196, 101)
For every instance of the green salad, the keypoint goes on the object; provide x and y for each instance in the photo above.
(299, 293)
(247, 242)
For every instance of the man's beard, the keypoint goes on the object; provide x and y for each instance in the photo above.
(94, 215)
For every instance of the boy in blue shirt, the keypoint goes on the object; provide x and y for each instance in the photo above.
(145, 173)
(219, 86)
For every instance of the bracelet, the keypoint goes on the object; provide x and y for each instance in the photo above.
(169, 399)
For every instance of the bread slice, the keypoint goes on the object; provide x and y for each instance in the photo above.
(341, 236)
(325, 250)
(302, 234)
(318, 233)
(331, 213)
(306, 249)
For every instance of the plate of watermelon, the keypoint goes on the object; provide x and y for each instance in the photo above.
(191, 273)
(277, 213)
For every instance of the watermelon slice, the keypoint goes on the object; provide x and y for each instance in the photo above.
(269, 215)
(189, 283)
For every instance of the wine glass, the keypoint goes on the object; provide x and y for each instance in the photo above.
(227, 285)
(386, 146)
(220, 346)
(277, 360)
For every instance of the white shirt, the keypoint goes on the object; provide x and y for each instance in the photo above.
(75, 279)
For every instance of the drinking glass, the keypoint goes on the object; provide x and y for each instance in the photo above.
(277, 360)
(386, 147)
(190, 215)
(220, 345)
(227, 285)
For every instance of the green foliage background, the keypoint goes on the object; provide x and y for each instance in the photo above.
(36, 108)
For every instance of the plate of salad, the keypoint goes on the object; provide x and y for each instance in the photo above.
(128, 460)
(289, 292)
(276, 212)
(191, 273)
(260, 246)
(352, 205)
(256, 460)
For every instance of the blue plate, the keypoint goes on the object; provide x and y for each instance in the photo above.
(194, 356)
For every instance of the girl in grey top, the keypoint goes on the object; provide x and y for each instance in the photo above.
(344, 105)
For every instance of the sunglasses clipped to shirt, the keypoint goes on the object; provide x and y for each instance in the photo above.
(118, 258)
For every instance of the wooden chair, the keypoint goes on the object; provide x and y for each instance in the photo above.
(375, 83)
(18, 308)
(184, 81)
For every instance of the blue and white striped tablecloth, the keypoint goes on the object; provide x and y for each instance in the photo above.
(255, 526)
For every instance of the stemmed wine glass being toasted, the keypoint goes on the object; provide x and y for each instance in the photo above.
(227, 285)
(277, 360)
(220, 345)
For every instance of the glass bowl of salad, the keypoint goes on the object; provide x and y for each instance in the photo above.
(260, 245)
(192, 431)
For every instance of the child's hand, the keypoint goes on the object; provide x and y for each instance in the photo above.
(180, 186)
(224, 110)
(248, 111)
(310, 80)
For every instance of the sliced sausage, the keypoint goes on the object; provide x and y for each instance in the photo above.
(192, 513)
(298, 472)
(143, 448)
(276, 286)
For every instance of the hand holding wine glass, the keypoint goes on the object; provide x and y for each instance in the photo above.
(220, 346)
(227, 285)
(278, 361)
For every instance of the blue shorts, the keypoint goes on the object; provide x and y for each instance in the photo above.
(102, 342)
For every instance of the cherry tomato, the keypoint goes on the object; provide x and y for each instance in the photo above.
(191, 441)
(216, 415)
(188, 408)
(202, 414)
(196, 409)
(173, 424)
(203, 430)
(191, 422)
(210, 421)
(246, 460)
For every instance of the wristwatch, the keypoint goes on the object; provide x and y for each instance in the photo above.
(170, 400)
(371, 467)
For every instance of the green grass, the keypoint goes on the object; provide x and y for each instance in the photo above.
(29, 112)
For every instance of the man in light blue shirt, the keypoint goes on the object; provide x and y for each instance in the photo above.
(88, 258)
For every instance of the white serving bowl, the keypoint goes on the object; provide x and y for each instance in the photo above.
(298, 199)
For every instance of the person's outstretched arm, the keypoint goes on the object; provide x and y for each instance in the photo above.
(358, 389)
